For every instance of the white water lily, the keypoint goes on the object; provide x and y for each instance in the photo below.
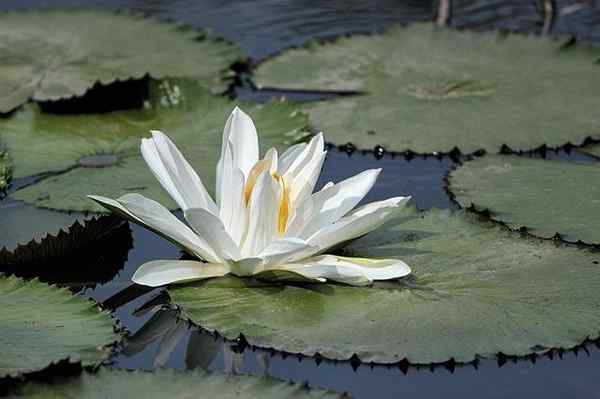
(266, 221)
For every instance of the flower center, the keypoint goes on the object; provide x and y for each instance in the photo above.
(284, 204)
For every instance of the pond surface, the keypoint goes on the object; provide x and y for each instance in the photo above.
(263, 28)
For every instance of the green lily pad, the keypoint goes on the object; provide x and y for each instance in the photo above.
(22, 224)
(430, 89)
(99, 154)
(57, 54)
(4, 170)
(477, 289)
(43, 324)
(75, 256)
(163, 383)
(593, 149)
(546, 197)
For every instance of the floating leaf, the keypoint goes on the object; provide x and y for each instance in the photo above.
(173, 384)
(75, 256)
(593, 149)
(99, 154)
(429, 89)
(21, 224)
(477, 289)
(55, 54)
(546, 197)
(42, 324)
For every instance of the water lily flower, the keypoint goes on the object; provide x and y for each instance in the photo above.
(266, 221)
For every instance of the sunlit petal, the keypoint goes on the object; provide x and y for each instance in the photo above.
(211, 229)
(263, 210)
(331, 203)
(358, 223)
(162, 272)
(155, 217)
(175, 174)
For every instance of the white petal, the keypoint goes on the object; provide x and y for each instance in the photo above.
(175, 173)
(373, 269)
(289, 156)
(155, 217)
(263, 210)
(211, 229)
(329, 205)
(240, 133)
(162, 272)
(358, 223)
(277, 252)
(320, 272)
(302, 174)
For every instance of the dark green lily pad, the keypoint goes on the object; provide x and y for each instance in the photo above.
(197, 384)
(477, 289)
(546, 197)
(57, 54)
(43, 324)
(75, 256)
(99, 154)
(430, 89)
(22, 224)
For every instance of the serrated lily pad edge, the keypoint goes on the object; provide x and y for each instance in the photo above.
(226, 76)
(522, 230)
(405, 362)
(103, 352)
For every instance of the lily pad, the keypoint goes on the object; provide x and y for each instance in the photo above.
(430, 89)
(593, 149)
(477, 289)
(43, 324)
(546, 197)
(75, 256)
(4, 170)
(55, 54)
(163, 383)
(21, 224)
(99, 154)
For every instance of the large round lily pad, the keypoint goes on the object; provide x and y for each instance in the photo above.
(197, 384)
(477, 289)
(546, 197)
(42, 324)
(55, 54)
(99, 154)
(430, 89)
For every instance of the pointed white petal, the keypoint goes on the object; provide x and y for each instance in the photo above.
(277, 252)
(211, 229)
(306, 210)
(155, 217)
(263, 219)
(320, 272)
(235, 215)
(176, 174)
(240, 133)
(373, 269)
(162, 272)
(358, 223)
(304, 171)
(329, 205)
(289, 156)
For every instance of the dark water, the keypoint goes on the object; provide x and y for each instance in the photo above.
(263, 28)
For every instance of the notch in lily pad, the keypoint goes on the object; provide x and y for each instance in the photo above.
(50, 55)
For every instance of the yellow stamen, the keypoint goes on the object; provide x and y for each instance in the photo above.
(284, 207)
(258, 168)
